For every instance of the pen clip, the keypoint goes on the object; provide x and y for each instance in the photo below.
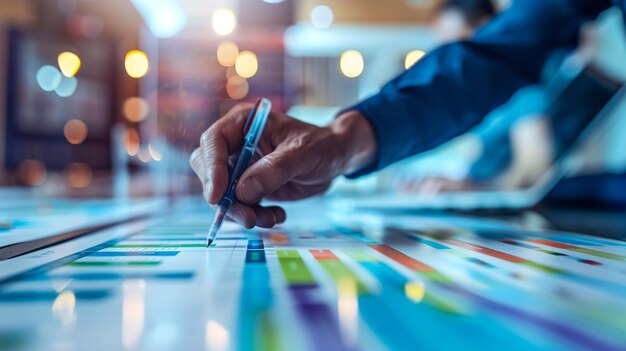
(251, 115)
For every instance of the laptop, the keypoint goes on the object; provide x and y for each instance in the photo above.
(582, 94)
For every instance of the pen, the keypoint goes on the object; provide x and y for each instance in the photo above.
(252, 130)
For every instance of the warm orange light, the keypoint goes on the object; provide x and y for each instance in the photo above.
(231, 72)
(351, 63)
(246, 64)
(135, 109)
(132, 141)
(227, 53)
(136, 63)
(69, 63)
(223, 21)
(78, 175)
(32, 172)
(75, 131)
(237, 88)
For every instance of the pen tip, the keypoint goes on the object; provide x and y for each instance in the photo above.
(208, 242)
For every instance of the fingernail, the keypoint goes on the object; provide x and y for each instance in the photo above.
(252, 190)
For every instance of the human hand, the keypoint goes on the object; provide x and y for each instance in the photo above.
(298, 160)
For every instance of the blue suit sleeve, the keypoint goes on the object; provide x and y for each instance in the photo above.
(452, 88)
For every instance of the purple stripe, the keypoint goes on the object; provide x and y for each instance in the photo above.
(321, 324)
(568, 333)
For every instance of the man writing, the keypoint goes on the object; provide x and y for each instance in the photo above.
(442, 96)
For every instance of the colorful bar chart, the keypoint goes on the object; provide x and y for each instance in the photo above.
(323, 287)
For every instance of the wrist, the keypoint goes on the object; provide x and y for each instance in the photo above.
(355, 139)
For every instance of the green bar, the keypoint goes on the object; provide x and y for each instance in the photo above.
(442, 304)
(597, 253)
(167, 232)
(287, 254)
(338, 271)
(147, 246)
(294, 269)
(360, 255)
(436, 276)
(268, 334)
(111, 263)
(542, 267)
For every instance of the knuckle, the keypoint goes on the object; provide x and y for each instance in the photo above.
(279, 166)
(243, 107)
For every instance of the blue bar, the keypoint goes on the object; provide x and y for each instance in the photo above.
(434, 245)
(94, 276)
(255, 256)
(255, 245)
(50, 295)
(568, 239)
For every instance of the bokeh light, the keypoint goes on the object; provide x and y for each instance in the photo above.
(136, 63)
(135, 109)
(412, 58)
(64, 308)
(227, 53)
(75, 131)
(322, 16)
(69, 63)
(351, 63)
(217, 337)
(237, 88)
(143, 155)
(31, 172)
(131, 141)
(154, 152)
(223, 21)
(231, 72)
(78, 175)
(67, 87)
(246, 64)
(415, 291)
(49, 78)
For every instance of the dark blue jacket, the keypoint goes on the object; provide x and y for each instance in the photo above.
(453, 87)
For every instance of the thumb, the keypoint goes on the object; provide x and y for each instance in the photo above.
(267, 175)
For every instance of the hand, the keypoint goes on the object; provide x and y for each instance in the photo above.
(298, 160)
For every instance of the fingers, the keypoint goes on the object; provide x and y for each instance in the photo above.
(242, 214)
(267, 175)
(223, 139)
(251, 215)
(197, 164)
(195, 161)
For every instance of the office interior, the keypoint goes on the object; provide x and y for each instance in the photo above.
(511, 234)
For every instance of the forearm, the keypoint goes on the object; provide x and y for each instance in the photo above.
(452, 88)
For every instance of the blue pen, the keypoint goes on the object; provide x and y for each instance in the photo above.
(252, 131)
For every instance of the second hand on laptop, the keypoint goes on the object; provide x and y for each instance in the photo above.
(252, 130)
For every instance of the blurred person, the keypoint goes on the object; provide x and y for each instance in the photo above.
(444, 95)
(518, 140)
(459, 19)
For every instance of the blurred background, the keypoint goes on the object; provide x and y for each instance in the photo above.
(109, 98)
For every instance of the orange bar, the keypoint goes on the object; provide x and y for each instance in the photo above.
(323, 255)
(553, 244)
(403, 259)
(487, 251)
